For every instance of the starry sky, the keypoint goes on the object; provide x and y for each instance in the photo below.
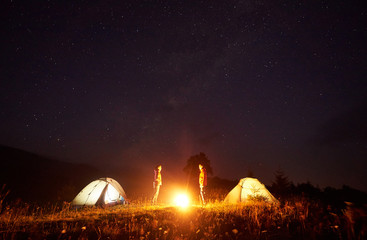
(256, 85)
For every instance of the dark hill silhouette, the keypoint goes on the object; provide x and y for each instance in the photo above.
(34, 178)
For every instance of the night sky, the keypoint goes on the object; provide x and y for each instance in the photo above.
(256, 85)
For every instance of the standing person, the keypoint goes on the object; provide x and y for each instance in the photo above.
(157, 183)
(202, 183)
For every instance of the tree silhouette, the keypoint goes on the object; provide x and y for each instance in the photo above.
(192, 168)
(281, 184)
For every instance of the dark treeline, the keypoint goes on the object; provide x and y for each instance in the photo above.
(285, 190)
(28, 177)
(282, 187)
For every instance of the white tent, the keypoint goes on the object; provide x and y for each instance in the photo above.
(247, 189)
(103, 191)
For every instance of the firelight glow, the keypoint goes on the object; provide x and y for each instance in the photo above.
(182, 200)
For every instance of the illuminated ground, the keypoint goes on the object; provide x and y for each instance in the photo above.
(215, 221)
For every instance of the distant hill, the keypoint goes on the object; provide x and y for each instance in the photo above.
(34, 178)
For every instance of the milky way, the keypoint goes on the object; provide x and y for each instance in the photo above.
(255, 85)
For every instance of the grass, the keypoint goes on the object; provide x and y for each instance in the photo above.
(297, 219)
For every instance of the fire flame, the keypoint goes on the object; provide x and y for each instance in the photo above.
(182, 200)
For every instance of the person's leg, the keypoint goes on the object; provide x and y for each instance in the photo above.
(155, 198)
(157, 193)
(202, 195)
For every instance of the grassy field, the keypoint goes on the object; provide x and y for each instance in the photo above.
(298, 219)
